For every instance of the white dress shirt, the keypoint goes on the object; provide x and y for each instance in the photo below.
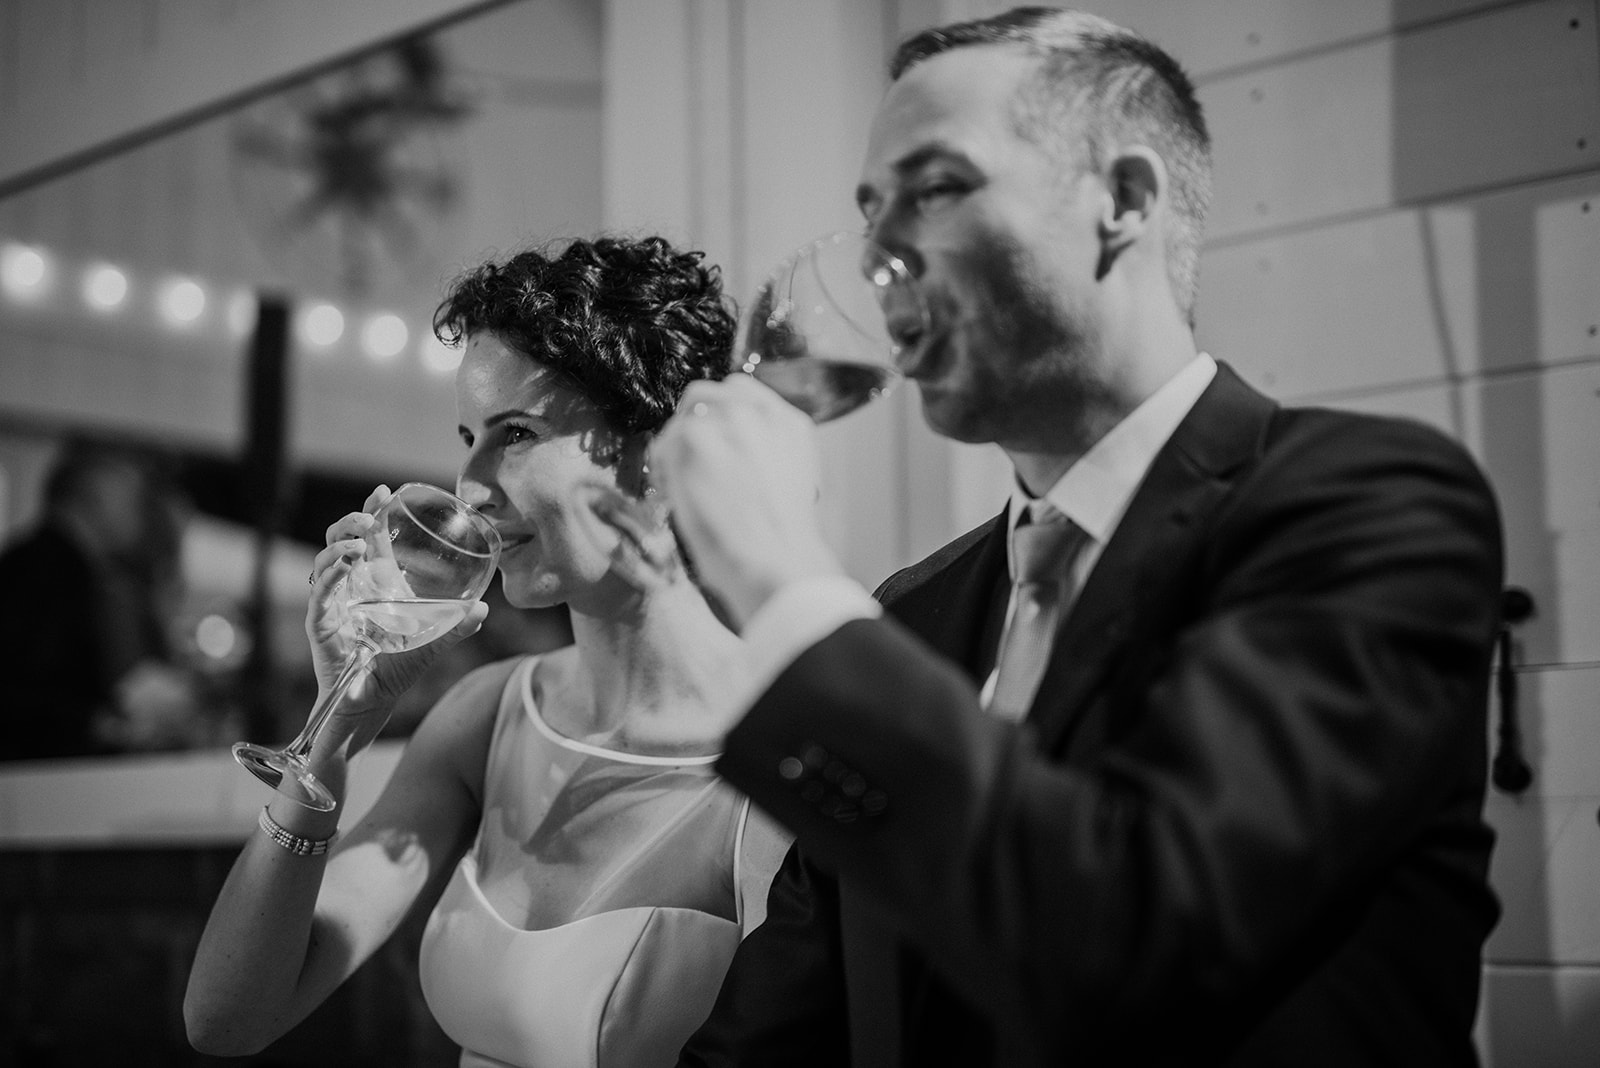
(1094, 493)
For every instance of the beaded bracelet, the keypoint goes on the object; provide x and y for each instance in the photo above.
(300, 847)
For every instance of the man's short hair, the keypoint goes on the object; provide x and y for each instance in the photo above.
(1100, 87)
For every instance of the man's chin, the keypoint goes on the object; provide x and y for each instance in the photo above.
(948, 417)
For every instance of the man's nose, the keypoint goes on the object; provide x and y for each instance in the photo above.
(888, 232)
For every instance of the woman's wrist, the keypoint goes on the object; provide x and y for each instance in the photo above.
(286, 839)
(303, 822)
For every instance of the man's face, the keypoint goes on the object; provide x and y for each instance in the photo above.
(1003, 237)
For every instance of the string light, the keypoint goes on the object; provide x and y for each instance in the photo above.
(384, 336)
(182, 301)
(24, 271)
(321, 325)
(104, 286)
(27, 273)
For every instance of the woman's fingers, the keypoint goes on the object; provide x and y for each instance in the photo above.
(349, 526)
(332, 565)
(377, 498)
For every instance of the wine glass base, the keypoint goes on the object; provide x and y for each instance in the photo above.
(285, 774)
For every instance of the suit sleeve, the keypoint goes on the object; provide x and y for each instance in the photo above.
(1320, 702)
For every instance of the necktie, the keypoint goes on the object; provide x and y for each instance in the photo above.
(1041, 555)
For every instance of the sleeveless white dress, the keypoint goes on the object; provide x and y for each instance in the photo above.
(631, 865)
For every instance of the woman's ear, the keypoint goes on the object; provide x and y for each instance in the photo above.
(633, 465)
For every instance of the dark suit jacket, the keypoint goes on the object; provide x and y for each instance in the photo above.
(1241, 824)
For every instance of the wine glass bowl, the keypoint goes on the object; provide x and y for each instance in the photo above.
(825, 328)
(429, 557)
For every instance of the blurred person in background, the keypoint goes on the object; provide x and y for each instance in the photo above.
(84, 600)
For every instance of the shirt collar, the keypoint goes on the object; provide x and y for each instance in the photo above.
(1096, 490)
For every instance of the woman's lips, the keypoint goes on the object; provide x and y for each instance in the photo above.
(512, 542)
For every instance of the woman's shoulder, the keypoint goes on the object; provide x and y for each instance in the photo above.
(456, 734)
(482, 684)
(466, 712)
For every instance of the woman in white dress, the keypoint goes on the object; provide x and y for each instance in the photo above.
(588, 874)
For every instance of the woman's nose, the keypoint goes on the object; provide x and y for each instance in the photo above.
(474, 490)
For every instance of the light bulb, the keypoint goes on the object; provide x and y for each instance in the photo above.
(384, 336)
(322, 325)
(182, 301)
(24, 271)
(104, 286)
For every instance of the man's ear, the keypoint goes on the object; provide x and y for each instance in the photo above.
(1136, 187)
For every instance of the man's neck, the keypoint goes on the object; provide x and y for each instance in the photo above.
(1131, 384)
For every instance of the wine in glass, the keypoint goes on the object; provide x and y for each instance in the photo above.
(826, 326)
(429, 556)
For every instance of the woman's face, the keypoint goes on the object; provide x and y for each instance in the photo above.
(538, 453)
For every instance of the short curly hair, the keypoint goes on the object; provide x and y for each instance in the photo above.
(629, 322)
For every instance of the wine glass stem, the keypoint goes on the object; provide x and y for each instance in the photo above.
(355, 664)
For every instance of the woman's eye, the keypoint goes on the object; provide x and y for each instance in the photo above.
(515, 434)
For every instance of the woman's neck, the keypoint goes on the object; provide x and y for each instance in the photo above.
(655, 671)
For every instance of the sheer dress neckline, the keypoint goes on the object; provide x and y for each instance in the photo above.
(531, 708)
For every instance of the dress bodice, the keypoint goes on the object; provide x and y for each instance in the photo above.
(617, 880)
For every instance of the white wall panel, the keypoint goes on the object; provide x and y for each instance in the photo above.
(1508, 95)
(1546, 865)
(396, 421)
(1497, 282)
(1208, 36)
(183, 387)
(1540, 1017)
(1537, 436)
(1559, 711)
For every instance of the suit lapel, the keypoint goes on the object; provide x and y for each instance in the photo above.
(1157, 534)
(954, 608)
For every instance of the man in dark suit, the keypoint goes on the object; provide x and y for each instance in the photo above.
(1235, 816)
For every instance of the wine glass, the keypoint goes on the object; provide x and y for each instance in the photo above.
(826, 326)
(429, 556)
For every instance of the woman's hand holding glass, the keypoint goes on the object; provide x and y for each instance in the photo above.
(390, 581)
(355, 562)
